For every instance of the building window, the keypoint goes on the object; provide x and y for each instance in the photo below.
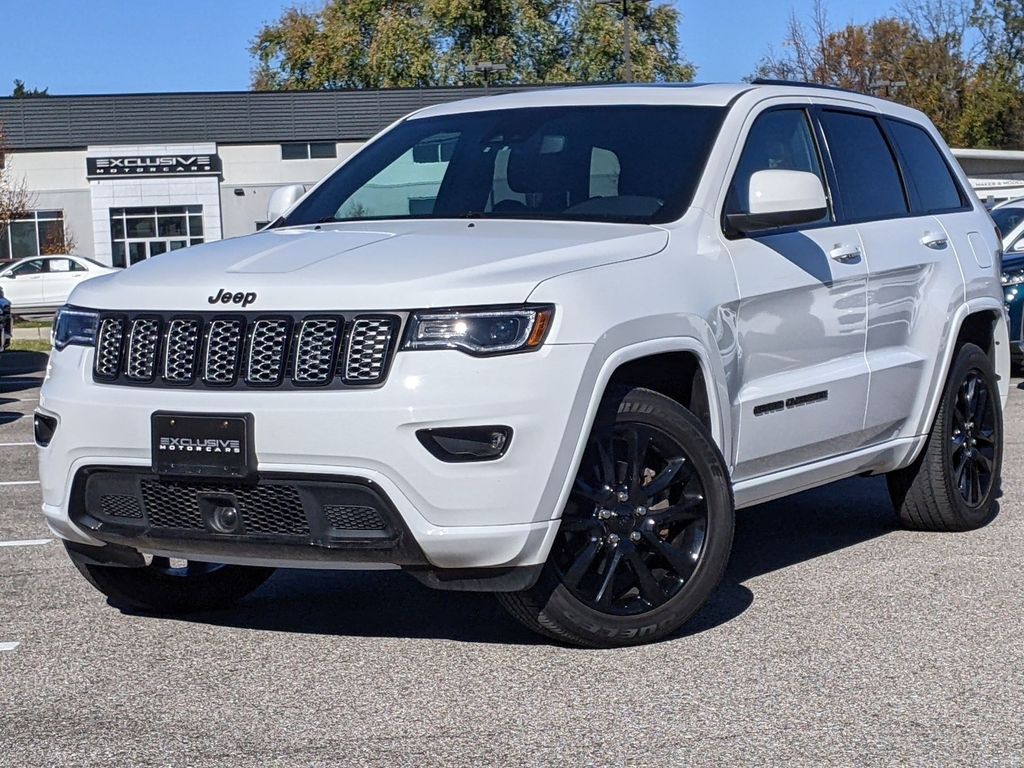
(308, 150)
(33, 234)
(141, 233)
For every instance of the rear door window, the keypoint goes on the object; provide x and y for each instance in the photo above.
(866, 171)
(927, 172)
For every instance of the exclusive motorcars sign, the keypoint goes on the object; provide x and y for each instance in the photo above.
(185, 164)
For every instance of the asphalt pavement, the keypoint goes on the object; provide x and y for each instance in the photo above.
(835, 639)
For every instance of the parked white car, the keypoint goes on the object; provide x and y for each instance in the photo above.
(39, 283)
(541, 344)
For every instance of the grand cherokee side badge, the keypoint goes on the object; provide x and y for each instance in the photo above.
(226, 297)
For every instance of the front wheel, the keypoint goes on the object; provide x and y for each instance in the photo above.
(646, 534)
(165, 586)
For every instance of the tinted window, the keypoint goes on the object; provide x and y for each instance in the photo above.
(614, 163)
(780, 139)
(1007, 219)
(295, 151)
(927, 170)
(320, 149)
(33, 267)
(869, 181)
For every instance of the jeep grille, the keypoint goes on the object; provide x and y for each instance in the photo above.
(245, 351)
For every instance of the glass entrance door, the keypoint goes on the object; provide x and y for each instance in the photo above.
(142, 233)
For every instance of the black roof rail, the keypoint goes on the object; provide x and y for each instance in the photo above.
(803, 84)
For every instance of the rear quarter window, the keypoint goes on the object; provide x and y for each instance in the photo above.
(869, 179)
(925, 169)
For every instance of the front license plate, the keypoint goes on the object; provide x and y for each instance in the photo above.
(203, 446)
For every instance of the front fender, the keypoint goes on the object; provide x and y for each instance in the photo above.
(631, 341)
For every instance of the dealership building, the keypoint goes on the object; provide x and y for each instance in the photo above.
(129, 177)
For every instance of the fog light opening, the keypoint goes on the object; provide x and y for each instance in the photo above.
(462, 444)
(44, 427)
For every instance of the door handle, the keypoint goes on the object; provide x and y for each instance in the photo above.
(934, 240)
(845, 254)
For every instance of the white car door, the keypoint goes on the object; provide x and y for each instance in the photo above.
(60, 278)
(895, 185)
(23, 284)
(801, 319)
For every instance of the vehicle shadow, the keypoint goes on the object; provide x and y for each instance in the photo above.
(768, 537)
(18, 373)
(22, 363)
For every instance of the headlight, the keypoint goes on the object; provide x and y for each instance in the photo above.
(74, 326)
(480, 332)
(1013, 278)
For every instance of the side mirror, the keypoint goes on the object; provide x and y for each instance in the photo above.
(1018, 246)
(283, 198)
(778, 198)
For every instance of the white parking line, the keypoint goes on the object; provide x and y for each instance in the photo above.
(19, 482)
(13, 445)
(8, 646)
(25, 543)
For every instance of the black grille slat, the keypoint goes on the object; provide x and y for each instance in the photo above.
(245, 350)
(223, 345)
(315, 351)
(120, 505)
(268, 352)
(180, 351)
(143, 346)
(108, 348)
(369, 345)
(269, 509)
(347, 517)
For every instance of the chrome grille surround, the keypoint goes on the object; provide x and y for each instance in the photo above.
(223, 343)
(246, 349)
(108, 348)
(369, 343)
(180, 351)
(143, 344)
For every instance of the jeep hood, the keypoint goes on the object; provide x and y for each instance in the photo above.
(386, 265)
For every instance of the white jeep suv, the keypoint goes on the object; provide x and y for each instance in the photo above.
(541, 344)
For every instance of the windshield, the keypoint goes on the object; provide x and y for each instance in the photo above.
(1007, 219)
(609, 163)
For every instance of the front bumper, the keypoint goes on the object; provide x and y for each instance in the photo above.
(495, 514)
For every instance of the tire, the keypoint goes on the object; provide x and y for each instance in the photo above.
(635, 557)
(954, 483)
(159, 588)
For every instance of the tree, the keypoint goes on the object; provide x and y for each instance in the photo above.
(416, 43)
(15, 199)
(921, 58)
(21, 92)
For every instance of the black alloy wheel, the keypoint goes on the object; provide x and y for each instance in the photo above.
(635, 528)
(973, 439)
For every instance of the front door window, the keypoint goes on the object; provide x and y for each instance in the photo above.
(141, 233)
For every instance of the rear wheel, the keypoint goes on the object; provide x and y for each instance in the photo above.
(953, 484)
(166, 586)
(647, 532)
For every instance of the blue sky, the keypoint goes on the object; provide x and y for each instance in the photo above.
(118, 46)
